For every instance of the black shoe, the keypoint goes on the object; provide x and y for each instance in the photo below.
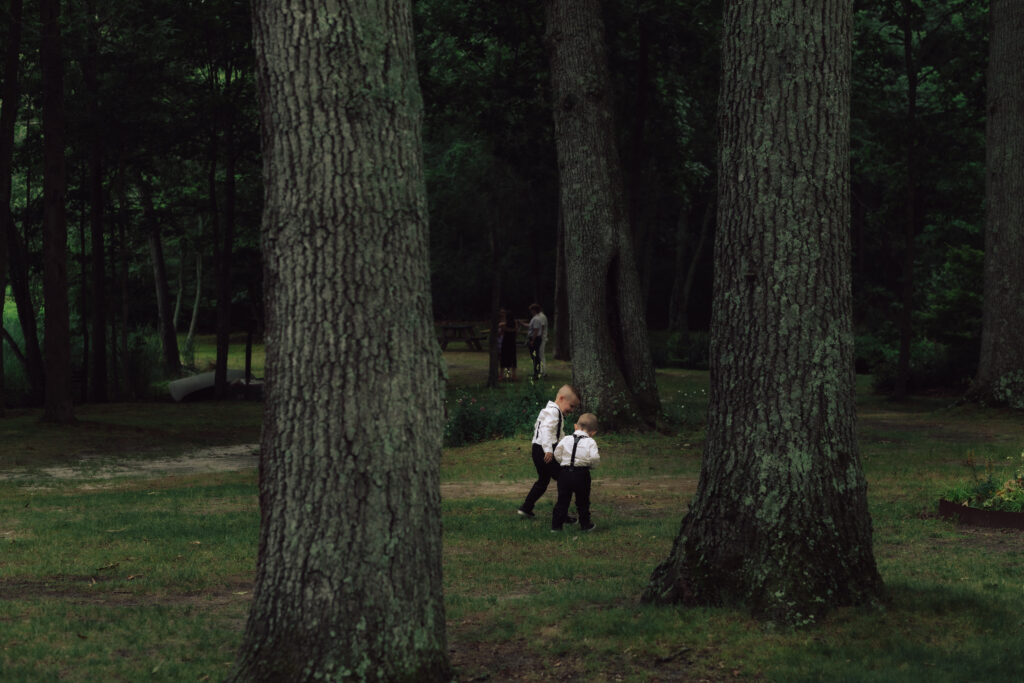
(524, 513)
(588, 527)
(571, 520)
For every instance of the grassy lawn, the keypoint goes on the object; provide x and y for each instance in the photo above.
(149, 578)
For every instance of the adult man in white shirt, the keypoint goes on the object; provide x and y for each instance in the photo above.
(537, 339)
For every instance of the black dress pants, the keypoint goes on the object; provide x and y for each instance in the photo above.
(546, 471)
(572, 481)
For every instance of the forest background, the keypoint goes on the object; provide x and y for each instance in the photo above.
(163, 201)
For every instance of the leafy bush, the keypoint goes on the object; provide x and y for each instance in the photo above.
(474, 416)
(932, 367)
(870, 352)
(995, 490)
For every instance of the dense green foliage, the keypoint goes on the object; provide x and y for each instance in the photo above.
(172, 110)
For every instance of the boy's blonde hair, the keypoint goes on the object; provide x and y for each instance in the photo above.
(587, 422)
(568, 391)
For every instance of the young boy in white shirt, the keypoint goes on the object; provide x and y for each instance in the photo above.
(546, 433)
(577, 455)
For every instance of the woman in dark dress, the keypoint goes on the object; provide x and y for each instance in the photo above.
(507, 345)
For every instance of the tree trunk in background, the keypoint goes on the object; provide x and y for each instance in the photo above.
(9, 96)
(612, 367)
(15, 259)
(688, 254)
(57, 405)
(639, 159)
(213, 152)
(349, 579)
(780, 521)
(225, 247)
(19, 278)
(905, 321)
(1000, 377)
(493, 358)
(82, 386)
(98, 385)
(563, 342)
(165, 321)
(119, 331)
(190, 338)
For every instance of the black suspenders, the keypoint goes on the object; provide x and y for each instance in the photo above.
(575, 443)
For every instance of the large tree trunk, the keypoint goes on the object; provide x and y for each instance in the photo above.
(612, 367)
(563, 343)
(780, 522)
(8, 116)
(165, 318)
(1000, 377)
(57, 405)
(349, 579)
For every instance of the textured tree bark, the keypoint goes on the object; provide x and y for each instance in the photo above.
(349, 579)
(612, 367)
(563, 344)
(780, 522)
(57, 405)
(1000, 376)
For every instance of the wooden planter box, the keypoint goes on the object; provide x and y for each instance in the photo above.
(994, 519)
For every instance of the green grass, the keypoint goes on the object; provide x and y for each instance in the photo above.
(150, 578)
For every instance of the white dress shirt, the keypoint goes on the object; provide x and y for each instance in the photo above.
(586, 451)
(548, 427)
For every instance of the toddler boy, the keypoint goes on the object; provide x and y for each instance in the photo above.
(577, 455)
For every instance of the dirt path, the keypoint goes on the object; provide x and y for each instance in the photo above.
(220, 459)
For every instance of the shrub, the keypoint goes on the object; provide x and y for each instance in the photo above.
(932, 367)
(870, 352)
(502, 412)
(995, 490)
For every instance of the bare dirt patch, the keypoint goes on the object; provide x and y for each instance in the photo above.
(91, 590)
(206, 460)
(656, 487)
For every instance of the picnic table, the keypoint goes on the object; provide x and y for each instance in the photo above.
(460, 332)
